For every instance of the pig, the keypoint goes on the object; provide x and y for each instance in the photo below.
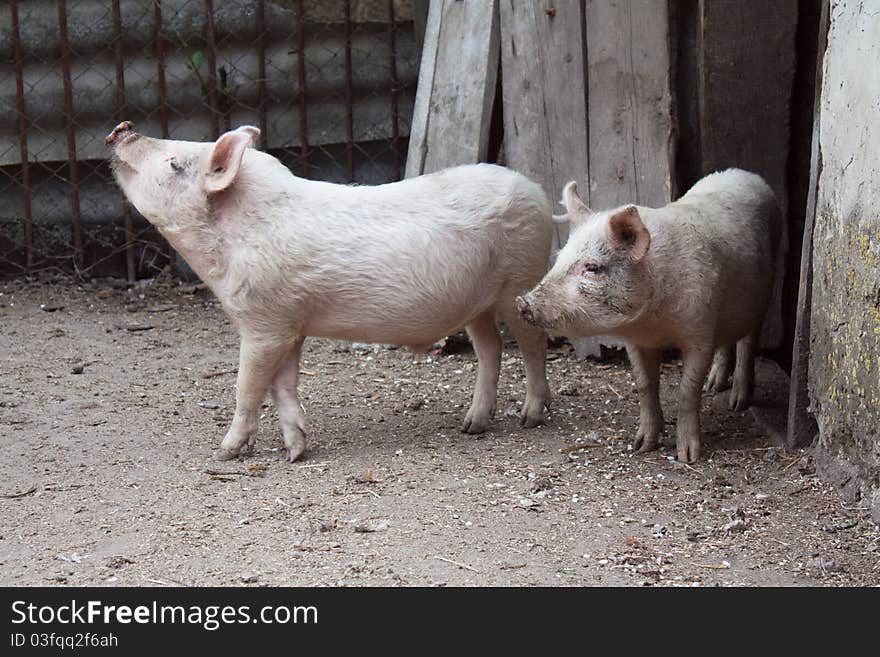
(403, 263)
(697, 274)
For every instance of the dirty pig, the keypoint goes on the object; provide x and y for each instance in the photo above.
(697, 274)
(403, 263)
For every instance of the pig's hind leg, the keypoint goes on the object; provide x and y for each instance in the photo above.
(258, 362)
(290, 410)
(744, 374)
(487, 344)
(722, 367)
(532, 343)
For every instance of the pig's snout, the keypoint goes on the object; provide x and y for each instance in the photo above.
(525, 311)
(118, 133)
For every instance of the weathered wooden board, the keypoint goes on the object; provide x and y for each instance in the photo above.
(456, 89)
(747, 66)
(802, 427)
(544, 94)
(629, 103)
(543, 64)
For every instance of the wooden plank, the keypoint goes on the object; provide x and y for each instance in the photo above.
(630, 103)
(629, 108)
(747, 64)
(456, 87)
(418, 134)
(544, 95)
(544, 82)
(802, 427)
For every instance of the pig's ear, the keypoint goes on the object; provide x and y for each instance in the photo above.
(576, 210)
(626, 231)
(226, 157)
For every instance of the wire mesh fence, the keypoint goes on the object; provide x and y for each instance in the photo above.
(330, 84)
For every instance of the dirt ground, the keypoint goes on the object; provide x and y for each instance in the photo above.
(112, 401)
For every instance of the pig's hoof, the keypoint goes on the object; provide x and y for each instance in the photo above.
(530, 421)
(474, 423)
(225, 454)
(532, 414)
(294, 450)
(740, 397)
(716, 384)
(477, 419)
(688, 450)
(474, 426)
(645, 443)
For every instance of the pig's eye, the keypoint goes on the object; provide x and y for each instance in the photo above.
(593, 268)
(175, 164)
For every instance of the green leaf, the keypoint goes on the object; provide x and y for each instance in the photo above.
(196, 59)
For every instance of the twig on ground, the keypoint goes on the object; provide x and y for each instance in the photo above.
(211, 375)
(457, 563)
(12, 496)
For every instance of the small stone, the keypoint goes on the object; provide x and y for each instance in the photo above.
(806, 466)
(118, 561)
(542, 484)
(526, 503)
(249, 578)
(78, 368)
(693, 536)
(370, 526)
(568, 390)
(770, 456)
(824, 564)
(736, 525)
(415, 404)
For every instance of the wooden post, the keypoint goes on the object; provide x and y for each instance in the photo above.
(802, 428)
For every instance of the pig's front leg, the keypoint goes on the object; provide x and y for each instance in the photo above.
(532, 343)
(646, 371)
(257, 364)
(697, 359)
(487, 344)
(290, 410)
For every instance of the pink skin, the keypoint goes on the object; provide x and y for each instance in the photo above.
(289, 258)
(696, 275)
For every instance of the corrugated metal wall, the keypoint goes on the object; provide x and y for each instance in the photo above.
(330, 83)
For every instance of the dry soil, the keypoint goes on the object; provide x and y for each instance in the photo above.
(113, 398)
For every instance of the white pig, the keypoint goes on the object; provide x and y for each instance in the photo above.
(696, 274)
(404, 263)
